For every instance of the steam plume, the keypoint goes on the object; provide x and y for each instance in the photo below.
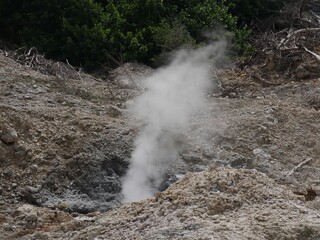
(174, 93)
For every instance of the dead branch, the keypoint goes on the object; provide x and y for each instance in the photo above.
(231, 92)
(131, 78)
(32, 51)
(313, 54)
(293, 34)
(307, 23)
(296, 168)
(316, 16)
(257, 90)
(32, 59)
(282, 31)
(262, 81)
(78, 72)
(108, 69)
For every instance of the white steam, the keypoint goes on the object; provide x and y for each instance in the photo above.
(173, 94)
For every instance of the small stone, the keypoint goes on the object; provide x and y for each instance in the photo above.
(190, 158)
(2, 218)
(27, 97)
(240, 162)
(8, 134)
(85, 218)
(261, 154)
(34, 167)
(74, 214)
(120, 105)
(20, 149)
(125, 132)
(29, 189)
(93, 214)
(209, 154)
(7, 227)
(313, 98)
(114, 111)
(31, 219)
(129, 103)
(232, 95)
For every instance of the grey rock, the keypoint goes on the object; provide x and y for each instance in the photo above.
(27, 97)
(242, 162)
(114, 111)
(29, 189)
(8, 134)
(34, 167)
(36, 90)
(4, 150)
(20, 149)
(220, 163)
(169, 179)
(192, 158)
(208, 153)
(29, 194)
(261, 154)
(313, 98)
(7, 227)
(86, 184)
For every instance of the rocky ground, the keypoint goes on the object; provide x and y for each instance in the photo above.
(65, 145)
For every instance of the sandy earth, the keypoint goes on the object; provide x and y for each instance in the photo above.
(65, 145)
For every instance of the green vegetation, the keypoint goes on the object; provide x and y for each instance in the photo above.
(249, 11)
(89, 32)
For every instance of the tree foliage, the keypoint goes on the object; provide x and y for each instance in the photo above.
(88, 32)
(249, 11)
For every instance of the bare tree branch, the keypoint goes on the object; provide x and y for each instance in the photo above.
(292, 34)
(313, 54)
(78, 72)
(296, 168)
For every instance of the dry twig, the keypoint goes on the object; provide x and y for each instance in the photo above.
(296, 168)
(313, 54)
(78, 72)
(31, 58)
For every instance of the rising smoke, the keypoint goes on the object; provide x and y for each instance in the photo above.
(173, 94)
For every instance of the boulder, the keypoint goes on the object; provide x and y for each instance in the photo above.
(8, 134)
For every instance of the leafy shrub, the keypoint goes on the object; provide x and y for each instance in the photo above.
(87, 32)
(72, 29)
(249, 11)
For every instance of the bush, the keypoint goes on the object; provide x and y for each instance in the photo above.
(248, 11)
(72, 29)
(88, 32)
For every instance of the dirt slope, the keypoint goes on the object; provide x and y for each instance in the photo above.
(65, 145)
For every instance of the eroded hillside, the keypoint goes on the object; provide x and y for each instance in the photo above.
(65, 144)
